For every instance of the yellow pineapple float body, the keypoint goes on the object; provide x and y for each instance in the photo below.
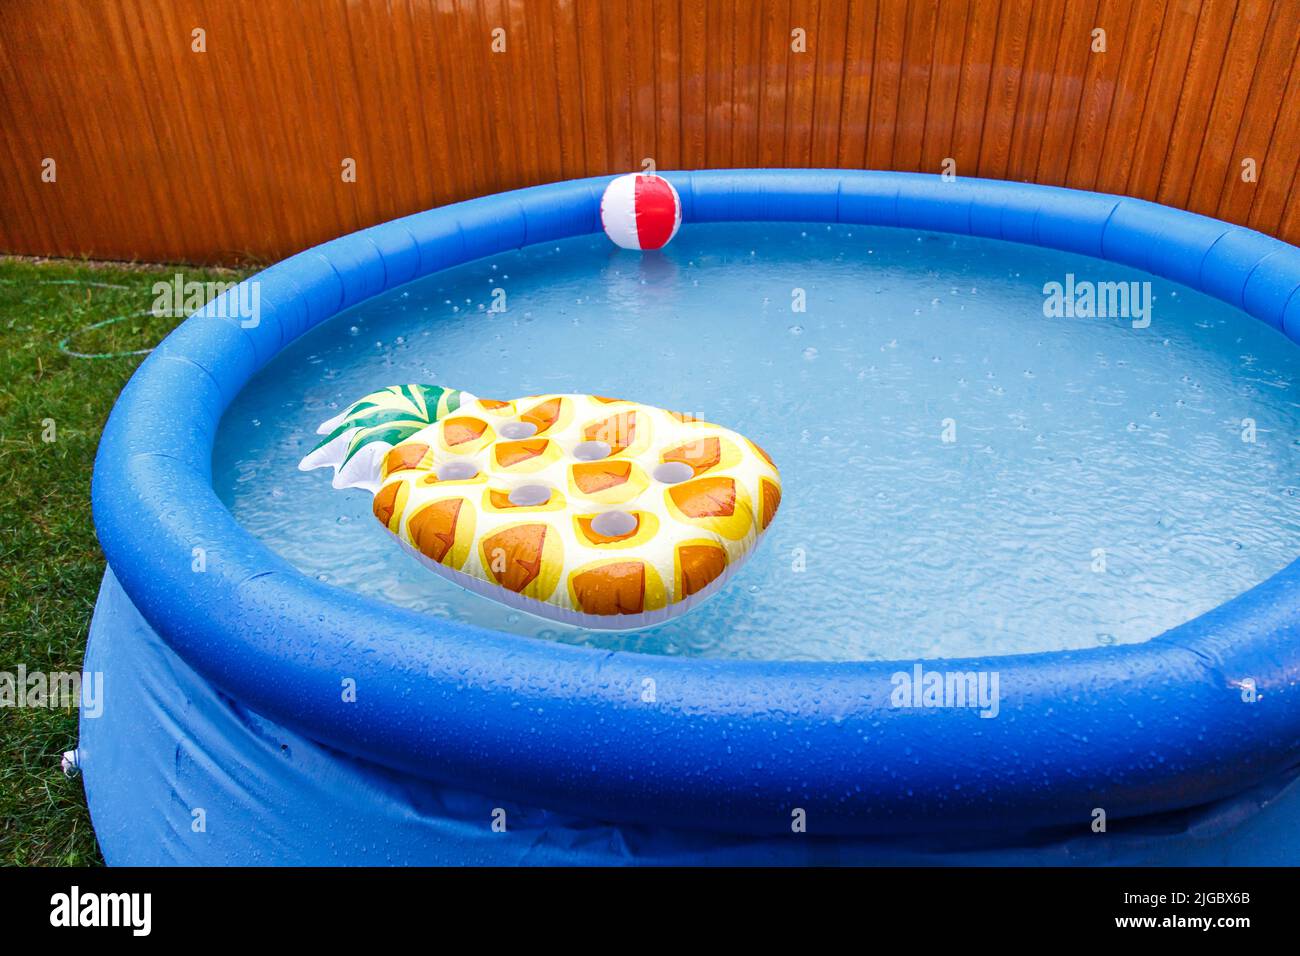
(594, 511)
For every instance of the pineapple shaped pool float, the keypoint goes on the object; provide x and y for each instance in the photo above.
(595, 511)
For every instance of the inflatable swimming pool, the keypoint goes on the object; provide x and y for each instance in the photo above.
(265, 716)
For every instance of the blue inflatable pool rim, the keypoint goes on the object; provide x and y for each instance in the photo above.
(719, 745)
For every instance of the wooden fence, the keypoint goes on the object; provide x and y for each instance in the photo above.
(216, 130)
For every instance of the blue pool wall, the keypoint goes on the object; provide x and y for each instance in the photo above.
(726, 746)
(226, 786)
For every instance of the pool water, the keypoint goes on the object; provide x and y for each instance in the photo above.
(963, 474)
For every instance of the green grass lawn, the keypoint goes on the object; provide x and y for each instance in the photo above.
(50, 562)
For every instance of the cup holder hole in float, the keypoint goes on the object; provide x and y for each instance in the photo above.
(457, 471)
(613, 524)
(517, 430)
(591, 450)
(530, 496)
(673, 472)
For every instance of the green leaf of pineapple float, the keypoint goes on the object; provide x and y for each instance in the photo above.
(375, 423)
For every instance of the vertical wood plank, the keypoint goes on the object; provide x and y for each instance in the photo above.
(974, 83)
(945, 83)
(1045, 27)
(1261, 117)
(1073, 147)
(914, 84)
(645, 125)
(616, 53)
(1004, 88)
(718, 80)
(747, 87)
(558, 21)
(828, 95)
(1161, 103)
(773, 90)
(590, 64)
(801, 82)
(886, 80)
(694, 96)
(668, 90)
(1069, 85)
(859, 58)
(1141, 41)
(1279, 173)
(1187, 140)
(1215, 160)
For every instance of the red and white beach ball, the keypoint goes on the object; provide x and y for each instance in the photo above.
(640, 211)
